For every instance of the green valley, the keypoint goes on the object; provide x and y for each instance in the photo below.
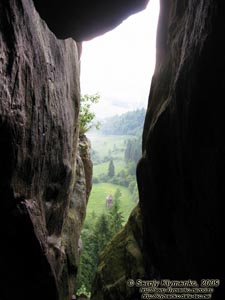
(115, 151)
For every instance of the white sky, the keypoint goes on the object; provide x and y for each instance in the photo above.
(119, 64)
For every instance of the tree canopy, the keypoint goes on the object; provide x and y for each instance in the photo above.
(126, 124)
(111, 169)
(86, 115)
(95, 237)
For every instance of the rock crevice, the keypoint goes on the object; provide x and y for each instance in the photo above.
(177, 230)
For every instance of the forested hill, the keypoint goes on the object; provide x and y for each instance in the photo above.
(129, 123)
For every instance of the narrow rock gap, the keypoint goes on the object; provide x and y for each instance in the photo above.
(117, 69)
(178, 231)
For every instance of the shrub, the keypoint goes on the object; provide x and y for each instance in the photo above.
(86, 115)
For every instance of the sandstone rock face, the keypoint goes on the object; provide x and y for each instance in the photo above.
(86, 19)
(85, 154)
(75, 216)
(39, 104)
(181, 174)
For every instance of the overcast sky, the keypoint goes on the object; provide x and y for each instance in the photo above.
(119, 64)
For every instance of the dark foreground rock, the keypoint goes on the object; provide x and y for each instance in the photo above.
(39, 104)
(84, 20)
(181, 175)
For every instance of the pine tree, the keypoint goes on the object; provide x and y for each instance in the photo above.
(102, 232)
(111, 169)
(88, 261)
(116, 218)
(94, 239)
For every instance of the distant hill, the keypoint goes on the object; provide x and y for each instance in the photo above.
(130, 123)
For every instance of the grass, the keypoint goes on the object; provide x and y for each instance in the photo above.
(113, 146)
(97, 201)
(105, 144)
(108, 145)
(103, 167)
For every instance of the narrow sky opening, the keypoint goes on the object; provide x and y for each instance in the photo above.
(119, 64)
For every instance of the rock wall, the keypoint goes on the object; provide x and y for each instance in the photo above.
(75, 217)
(84, 20)
(39, 105)
(181, 174)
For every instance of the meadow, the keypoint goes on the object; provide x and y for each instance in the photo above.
(103, 144)
(114, 159)
(106, 147)
(97, 201)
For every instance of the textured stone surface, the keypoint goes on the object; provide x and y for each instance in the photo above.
(39, 103)
(76, 215)
(181, 174)
(121, 260)
(85, 154)
(86, 19)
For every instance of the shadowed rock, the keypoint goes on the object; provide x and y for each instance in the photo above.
(39, 92)
(181, 174)
(84, 20)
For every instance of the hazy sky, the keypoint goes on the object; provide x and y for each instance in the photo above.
(119, 64)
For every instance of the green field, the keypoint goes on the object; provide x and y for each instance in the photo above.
(97, 200)
(112, 147)
(103, 144)
(103, 167)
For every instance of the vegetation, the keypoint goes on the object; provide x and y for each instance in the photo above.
(129, 123)
(133, 150)
(114, 159)
(111, 169)
(97, 202)
(115, 215)
(86, 115)
(95, 236)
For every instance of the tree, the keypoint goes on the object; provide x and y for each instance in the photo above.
(86, 115)
(88, 260)
(102, 232)
(94, 239)
(95, 236)
(126, 124)
(117, 194)
(111, 169)
(116, 218)
(133, 150)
